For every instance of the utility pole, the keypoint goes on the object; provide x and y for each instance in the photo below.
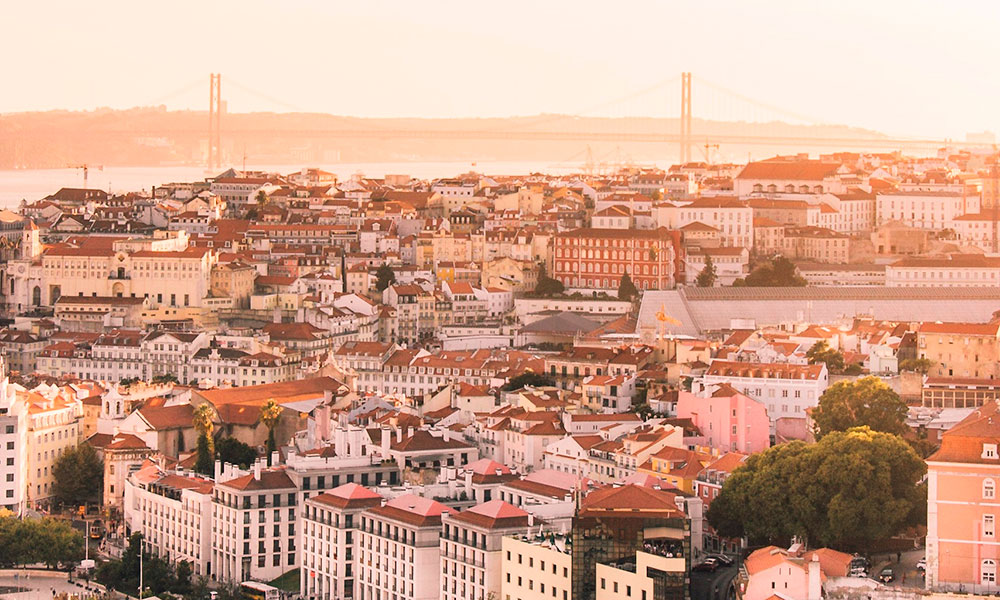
(685, 141)
(214, 120)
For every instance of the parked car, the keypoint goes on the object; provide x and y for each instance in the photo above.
(858, 572)
(722, 559)
(709, 565)
(922, 565)
(886, 575)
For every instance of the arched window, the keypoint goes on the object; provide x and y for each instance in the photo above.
(989, 489)
(758, 187)
(988, 573)
(772, 188)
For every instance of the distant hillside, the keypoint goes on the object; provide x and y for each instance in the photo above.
(156, 136)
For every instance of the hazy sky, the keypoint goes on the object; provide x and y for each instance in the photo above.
(905, 67)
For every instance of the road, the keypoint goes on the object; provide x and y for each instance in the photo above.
(713, 586)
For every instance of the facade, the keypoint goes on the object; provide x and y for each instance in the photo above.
(537, 566)
(962, 509)
(970, 350)
(933, 210)
(399, 549)
(472, 549)
(254, 517)
(958, 392)
(330, 530)
(54, 425)
(13, 445)
(787, 390)
(957, 270)
(727, 419)
(596, 259)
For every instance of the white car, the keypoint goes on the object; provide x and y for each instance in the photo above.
(922, 565)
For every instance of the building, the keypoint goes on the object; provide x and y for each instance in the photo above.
(618, 528)
(537, 566)
(54, 425)
(962, 477)
(330, 528)
(958, 392)
(14, 440)
(933, 210)
(472, 549)
(399, 549)
(732, 218)
(727, 419)
(968, 350)
(787, 390)
(956, 270)
(774, 572)
(123, 455)
(173, 512)
(789, 175)
(596, 259)
(254, 516)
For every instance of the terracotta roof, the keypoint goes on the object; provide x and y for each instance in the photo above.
(349, 495)
(412, 510)
(422, 440)
(495, 514)
(629, 501)
(991, 329)
(168, 417)
(809, 170)
(283, 392)
(272, 479)
(726, 368)
(963, 443)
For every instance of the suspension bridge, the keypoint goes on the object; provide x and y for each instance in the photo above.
(663, 113)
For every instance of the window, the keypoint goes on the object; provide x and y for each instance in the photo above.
(989, 451)
(988, 526)
(988, 573)
(989, 489)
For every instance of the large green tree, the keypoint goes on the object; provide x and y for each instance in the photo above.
(867, 402)
(707, 276)
(79, 476)
(846, 491)
(546, 285)
(626, 289)
(820, 352)
(528, 378)
(231, 450)
(384, 277)
(779, 272)
(30, 541)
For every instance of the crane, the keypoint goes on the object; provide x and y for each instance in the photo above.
(86, 168)
(707, 151)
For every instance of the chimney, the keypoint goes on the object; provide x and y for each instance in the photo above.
(531, 522)
(256, 470)
(399, 434)
(815, 586)
(384, 438)
(275, 458)
(218, 469)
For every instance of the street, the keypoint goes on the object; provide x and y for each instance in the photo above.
(905, 571)
(713, 586)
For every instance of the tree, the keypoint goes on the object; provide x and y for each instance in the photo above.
(820, 352)
(846, 491)
(30, 541)
(231, 450)
(779, 272)
(707, 276)
(528, 378)
(384, 277)
(919, 365)
(204, 424)
(270, 416)
(79, 476)
(166, 378)
(546, 285)
(626, 289)
(866, 402)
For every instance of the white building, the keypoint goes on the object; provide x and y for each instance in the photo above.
(957, 270)
(330, 529)
(924, 210)
(472, 549)
(787, 390)
(173, 512)
(13, 445)
(399, 549)
(731, 216)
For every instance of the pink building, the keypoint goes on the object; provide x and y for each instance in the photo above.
(794, 574)
(728, 420)
(962, 506)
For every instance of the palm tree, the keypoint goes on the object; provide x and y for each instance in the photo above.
(205, 426)
(270, 415)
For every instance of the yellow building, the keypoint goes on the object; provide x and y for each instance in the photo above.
(537, 567)
(961, 349)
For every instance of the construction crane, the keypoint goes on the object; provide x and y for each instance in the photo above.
(86, 169)
(707, 151)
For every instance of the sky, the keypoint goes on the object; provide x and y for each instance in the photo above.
(904, 67)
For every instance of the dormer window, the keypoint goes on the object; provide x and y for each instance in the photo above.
(989, 451)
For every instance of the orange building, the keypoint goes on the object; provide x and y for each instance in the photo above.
(962, 506)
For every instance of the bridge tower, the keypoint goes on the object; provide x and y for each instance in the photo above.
(214, 120)
(685, 140)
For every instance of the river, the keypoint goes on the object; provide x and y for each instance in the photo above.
(34, 184)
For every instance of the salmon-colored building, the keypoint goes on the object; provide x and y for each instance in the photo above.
(962, 505)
